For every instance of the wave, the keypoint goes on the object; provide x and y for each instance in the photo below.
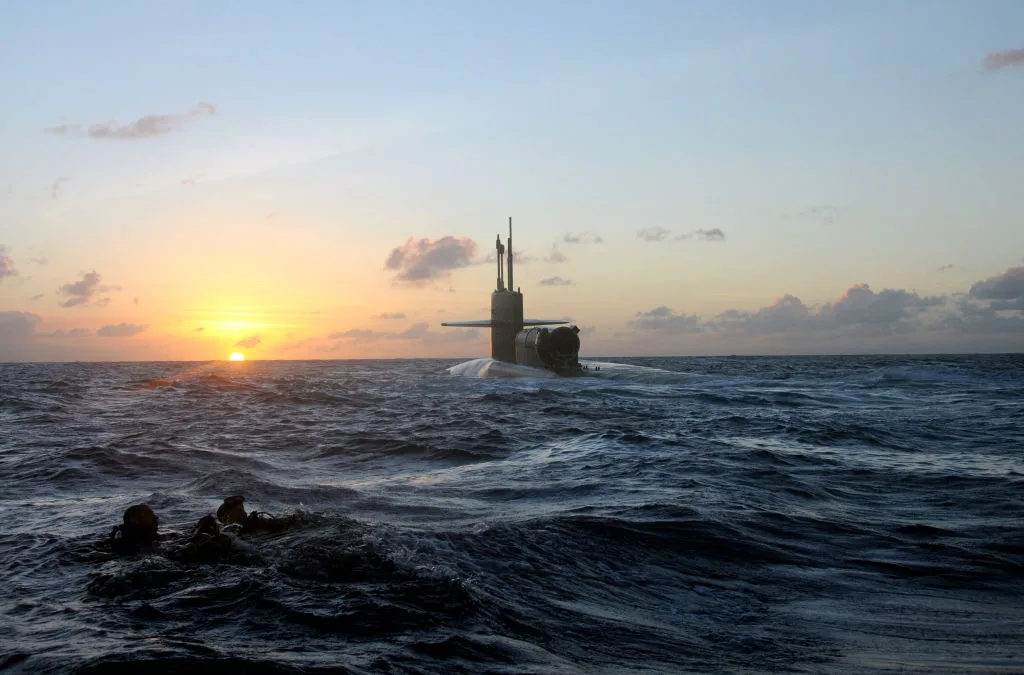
(723, 514)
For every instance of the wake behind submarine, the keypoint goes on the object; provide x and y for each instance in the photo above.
(522, 341)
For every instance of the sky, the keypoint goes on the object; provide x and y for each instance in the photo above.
(181, 181)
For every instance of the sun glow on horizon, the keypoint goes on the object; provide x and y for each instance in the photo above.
(237, 356)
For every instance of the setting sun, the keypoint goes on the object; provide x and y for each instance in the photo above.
(238, 356)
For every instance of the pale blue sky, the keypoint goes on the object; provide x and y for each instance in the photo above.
(834, 143)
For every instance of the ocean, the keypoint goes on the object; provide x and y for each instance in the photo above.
(838, 514)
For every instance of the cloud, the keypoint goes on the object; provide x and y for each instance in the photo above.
(945, 268)
(664, 320)
(391, 315)
(83, 291)
(7, 268)
(415, 332)
(356, 334)
(886, 311)
(663, 234)
(555, 257)
(57, 185)
(1016, 305)
(1008, 58)
(122, 330)
(556, 281)
(249, 342)
(714, 234)
(825, 212)
(17, 325)
(419, 331)
(73, 333)
(972, 317)
(36, 298)
(582, 238)
(785, 314)
(149, 126)
(860, 305)
(653, 234)
(39, 260)
(420, 260)
(1006, 286)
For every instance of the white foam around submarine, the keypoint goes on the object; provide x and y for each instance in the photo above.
(488, 367)
(494, 368)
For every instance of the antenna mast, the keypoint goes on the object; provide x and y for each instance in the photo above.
(501, 261)
(511, 286)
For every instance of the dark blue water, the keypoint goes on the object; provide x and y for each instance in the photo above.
(840, 514)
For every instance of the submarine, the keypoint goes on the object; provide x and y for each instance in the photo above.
(525, 342)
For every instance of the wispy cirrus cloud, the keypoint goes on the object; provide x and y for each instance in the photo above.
(826, 214)
(582, 238)
(7, 268)
(122, 330)
(249, 342)
(148, 126)
(73, 333)
(85, 291)
(555, 257)
(56, 187)
(556, 281)
(419, 261)
(1006, 58)
(655, 234)
(713, 234)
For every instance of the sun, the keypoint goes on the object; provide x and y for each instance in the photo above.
(238, 356)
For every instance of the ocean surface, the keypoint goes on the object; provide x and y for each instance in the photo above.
(814, 514)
